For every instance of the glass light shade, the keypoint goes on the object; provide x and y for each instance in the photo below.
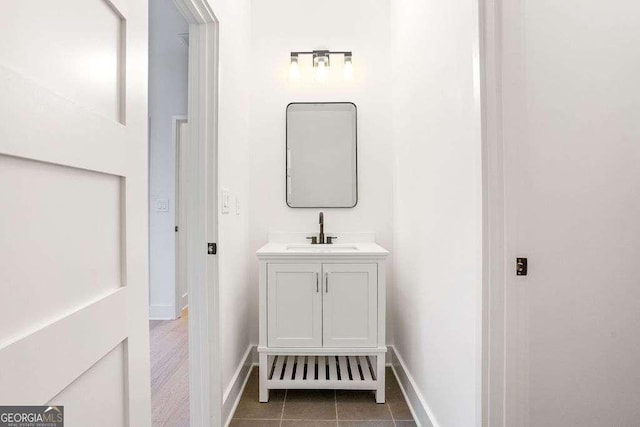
(294, 70)
(321, 71)
(348, 68)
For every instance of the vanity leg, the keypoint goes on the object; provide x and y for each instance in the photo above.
(380, 359)
(264, 392)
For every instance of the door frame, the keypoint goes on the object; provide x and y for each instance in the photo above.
(201, 206)
(180, 242)
(494, 403)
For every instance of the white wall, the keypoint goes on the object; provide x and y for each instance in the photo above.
(168, 61)
(437, 205)
(233, 114)
(282, 26)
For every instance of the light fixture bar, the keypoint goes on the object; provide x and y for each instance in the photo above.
(328, 52)
(321, 60)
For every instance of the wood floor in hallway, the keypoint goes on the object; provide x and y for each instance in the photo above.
(170, 372)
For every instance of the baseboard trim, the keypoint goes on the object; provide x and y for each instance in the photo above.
(418, 406)
(161, 312)
(234, 390)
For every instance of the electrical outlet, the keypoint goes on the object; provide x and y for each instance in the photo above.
(237, 205)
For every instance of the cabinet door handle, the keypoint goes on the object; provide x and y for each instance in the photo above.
(326, 282)
(317, 283)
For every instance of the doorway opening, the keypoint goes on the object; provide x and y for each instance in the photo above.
(168, 138)
(183, 80)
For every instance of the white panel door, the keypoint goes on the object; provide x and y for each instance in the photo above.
(73, 222)
(571, 135)
(350, 306)
(294, 305)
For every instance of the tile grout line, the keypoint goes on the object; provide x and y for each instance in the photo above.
(335, 401)
(386, 402)
(284, 402)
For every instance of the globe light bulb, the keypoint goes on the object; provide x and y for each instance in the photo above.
(294, 69)
(321, 71)
(348, 68)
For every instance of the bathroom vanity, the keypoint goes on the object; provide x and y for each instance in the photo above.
(322, 314)
(322, 303)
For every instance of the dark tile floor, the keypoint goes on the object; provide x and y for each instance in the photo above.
(322, 408)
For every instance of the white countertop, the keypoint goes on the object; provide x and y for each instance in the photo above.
(336, 250)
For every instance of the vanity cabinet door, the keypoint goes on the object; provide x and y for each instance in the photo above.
(294, 305)
(350, 308)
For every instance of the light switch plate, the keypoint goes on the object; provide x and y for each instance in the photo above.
(237, 205)
(226, 201)
(162, 205)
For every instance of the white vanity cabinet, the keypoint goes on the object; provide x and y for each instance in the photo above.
(322, 305)
(322, 317)
(350, 305)
(294, 305)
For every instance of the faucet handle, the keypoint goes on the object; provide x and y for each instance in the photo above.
(314, 239)
(330, 239)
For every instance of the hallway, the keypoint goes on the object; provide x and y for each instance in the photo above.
(170, 372)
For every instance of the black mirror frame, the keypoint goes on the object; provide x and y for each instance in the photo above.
(286, 144)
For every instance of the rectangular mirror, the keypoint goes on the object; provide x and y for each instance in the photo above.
(322, 164)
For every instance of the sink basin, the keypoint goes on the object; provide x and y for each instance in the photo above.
(295, 247)
(322, 248)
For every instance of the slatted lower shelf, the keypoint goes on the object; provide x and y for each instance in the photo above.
(341, 372)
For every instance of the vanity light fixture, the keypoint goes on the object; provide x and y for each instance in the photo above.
(321, 63)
